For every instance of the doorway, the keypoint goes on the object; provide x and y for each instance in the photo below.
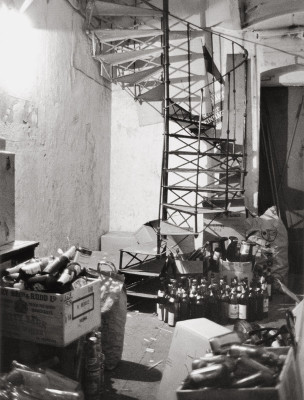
(281, 175)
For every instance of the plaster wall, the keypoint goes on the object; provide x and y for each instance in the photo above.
(137, 144)
(57, 122)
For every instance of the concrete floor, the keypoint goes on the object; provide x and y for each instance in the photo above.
(146, 347)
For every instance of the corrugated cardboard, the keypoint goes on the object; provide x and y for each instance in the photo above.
(190, 340)
(50, 318)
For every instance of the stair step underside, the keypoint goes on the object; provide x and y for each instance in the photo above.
(155, 94)
(205, 170)
(204, 189)
(157, 61)
(127, 56)
(104, 9)
(206, 138)
(202, 153)
(188, 124)
(138, 77)
(111, 35)
(201, 210)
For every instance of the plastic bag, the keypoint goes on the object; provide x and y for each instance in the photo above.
(113, 315)
(269, 232)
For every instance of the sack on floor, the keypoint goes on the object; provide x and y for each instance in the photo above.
(269, 232)
(113, 315)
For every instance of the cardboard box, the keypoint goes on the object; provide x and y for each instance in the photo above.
(238, 269)
(7, 197)
(217, 226)
(287, 386)
(190, 340)
(50, 318)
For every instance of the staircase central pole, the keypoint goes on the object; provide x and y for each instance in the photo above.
(167, 99)
(166, 112)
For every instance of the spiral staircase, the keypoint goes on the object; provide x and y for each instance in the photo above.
(197, 80)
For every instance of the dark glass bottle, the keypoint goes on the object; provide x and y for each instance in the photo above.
(231, 248)
(184, 307)
(224, 307)
(243, 304)
(213, 305)
(233, 310)
(252, 306)
(259, 303)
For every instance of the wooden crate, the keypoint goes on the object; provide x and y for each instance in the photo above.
(287, 387)
(50, 318)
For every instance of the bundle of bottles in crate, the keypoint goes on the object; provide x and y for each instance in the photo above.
(222, 248)
(218, 300)
(49, 274)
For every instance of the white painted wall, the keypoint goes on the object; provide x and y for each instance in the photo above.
(136, 152)
(57, 120)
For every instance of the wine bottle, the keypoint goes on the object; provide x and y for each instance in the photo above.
(243, 304)
(233, 310)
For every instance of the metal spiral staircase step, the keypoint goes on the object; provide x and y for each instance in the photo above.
(208, 154)
(155, 94)
(204, 138)
(138, 77)
(120, 58)
(200, 210)
(111, 35)
(206, 170)
(206, 189)
(103, 9)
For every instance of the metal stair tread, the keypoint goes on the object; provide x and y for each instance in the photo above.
(206, 138)
(189, 153)
(127, 56)
(137, 77)
(146, 268)
(204, 189)
(148, 248)
(205, 170)
(155, 94)
(191, 122)
(173, 230)
(204, 210)
(103, 9)
(110, 35)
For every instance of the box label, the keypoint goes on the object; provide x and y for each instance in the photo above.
(83, 306)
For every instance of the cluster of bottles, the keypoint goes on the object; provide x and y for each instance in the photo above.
(188, 298)
(94, 367)
(28, 383)
(241, 366)
(222, 248)
(49, 274)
